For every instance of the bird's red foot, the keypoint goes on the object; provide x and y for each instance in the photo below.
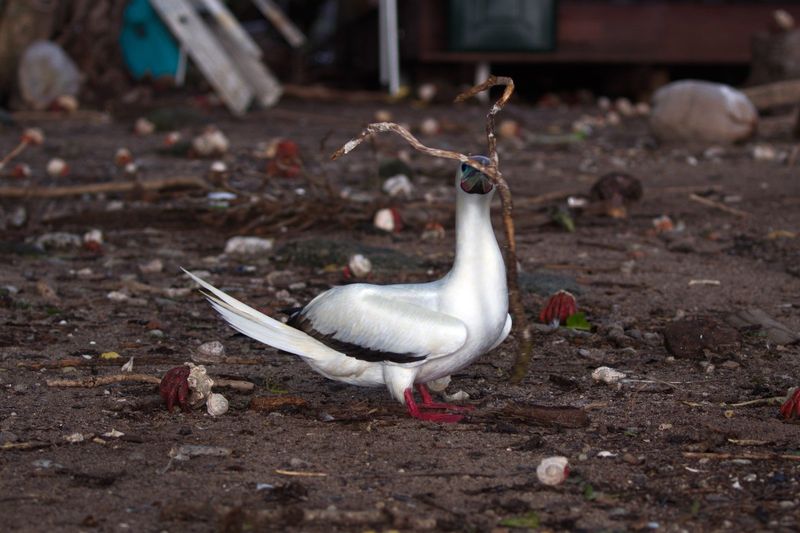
(416, 410)
(428, 403)
(791, 407)
(174, 387)
(558, 308)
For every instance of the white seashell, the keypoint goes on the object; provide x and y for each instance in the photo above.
(386, 219)
(216, 404)
(57, 167)
(359, 266)
(199, 384)
(397, 185)
(607, 375)
(553, 470)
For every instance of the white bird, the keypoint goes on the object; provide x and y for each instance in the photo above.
(401, 336)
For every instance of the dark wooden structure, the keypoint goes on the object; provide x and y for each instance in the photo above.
(652, 32)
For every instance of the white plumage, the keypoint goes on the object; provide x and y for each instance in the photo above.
(400, 335)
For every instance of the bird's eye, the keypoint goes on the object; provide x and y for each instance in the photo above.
(464, 167)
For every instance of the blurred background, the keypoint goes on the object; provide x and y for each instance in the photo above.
(127, 50)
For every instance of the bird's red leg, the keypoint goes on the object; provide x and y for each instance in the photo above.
(415, 412)
(428, 403)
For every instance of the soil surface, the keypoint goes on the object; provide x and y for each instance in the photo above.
(673, 446)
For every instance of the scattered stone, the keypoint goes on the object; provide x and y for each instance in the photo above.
(93, 236)
(553, 470)
(617, 190)
(216, 404)
(212, 142)
(57, 168)
(248, 245)
(607, 375)
(765, 152)
(152, 267)
(117, 296)
(692, 110)
(74, 438)
(359, 266)
(427, 92)
(388, 219)
(209, 353)
(689, 338)
(142, 126)
(397, 185)
(430, 126)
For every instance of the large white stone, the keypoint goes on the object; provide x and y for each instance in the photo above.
(692, 110)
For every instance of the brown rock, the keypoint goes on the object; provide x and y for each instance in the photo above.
(691, 337)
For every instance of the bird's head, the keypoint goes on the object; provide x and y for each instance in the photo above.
(473, 181)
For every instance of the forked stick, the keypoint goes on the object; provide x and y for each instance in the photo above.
(522, 360)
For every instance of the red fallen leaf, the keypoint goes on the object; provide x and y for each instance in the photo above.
(558, 308)
(287, 149)
(791, 408)
(174, 387)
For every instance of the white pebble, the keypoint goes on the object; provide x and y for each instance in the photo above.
(94, 235)
(387, 219)
(553, 470)
(57, 167)
(248, 245)
(359, 265)
(607, 375)
(216, 404)
(397, 185)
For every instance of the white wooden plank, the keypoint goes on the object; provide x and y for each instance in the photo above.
(206, 52)
(220, 13)
(273, 13)
(266, 87)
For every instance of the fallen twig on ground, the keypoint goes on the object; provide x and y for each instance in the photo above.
(99, 381)
(748, 456)
(717, 205)
(106, 187)
(492, 171)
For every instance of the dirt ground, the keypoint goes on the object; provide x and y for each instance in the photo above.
(666, 449)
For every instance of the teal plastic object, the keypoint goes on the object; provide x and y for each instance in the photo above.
(148, 47)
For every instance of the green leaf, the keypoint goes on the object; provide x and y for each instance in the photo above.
(529, 520)
(588, 492)
(578, 321)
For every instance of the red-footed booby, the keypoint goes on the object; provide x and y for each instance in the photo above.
(401, 336)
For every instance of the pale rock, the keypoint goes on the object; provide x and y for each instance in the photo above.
(359, 265)
(692, 110)
(553, 470)
(607, 375)
(397, 185)
(248, 245)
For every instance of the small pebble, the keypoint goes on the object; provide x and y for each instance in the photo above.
(553, 470)
(209, 352)
(607, 375)
(248, 245)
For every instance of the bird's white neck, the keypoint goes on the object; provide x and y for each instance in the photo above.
(478, 258)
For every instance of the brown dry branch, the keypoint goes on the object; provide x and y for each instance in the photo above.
(492, 171)
(716, 205)
(18, 149)
(748, 456)
(140, 361)
(99, 381)
(180, 182)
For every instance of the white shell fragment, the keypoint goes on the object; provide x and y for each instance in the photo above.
(211, 142)
(57, 167)
(359, 266)
(386, 219)
(216, 404)
(199, 384)
(209, 352)
(128, 367)
(553, 470)
(608, 375)
(248, 245)
(397, 185)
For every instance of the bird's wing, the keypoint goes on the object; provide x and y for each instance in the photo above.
(367, 323)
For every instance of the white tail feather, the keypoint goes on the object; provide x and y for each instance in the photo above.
(260, 327)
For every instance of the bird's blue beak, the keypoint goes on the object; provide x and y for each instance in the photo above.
(474, 181)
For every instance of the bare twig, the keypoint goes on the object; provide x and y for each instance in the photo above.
(492, 171)
(108, 187)
(748, 456)
(99, 381)
(18, 149)
(716, 205)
